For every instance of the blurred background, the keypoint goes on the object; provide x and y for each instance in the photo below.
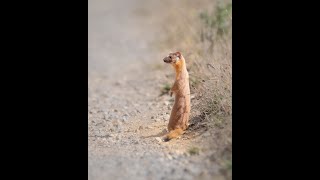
(127, 41)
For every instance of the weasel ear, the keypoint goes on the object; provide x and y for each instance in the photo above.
(178, 54)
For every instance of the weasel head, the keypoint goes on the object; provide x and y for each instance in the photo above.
(173, 58)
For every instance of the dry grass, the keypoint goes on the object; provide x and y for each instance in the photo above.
(202, 31)
(189, 29)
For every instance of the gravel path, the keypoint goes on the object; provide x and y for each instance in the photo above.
(125, 109)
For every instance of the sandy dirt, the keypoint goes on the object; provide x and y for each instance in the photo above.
(125, 112)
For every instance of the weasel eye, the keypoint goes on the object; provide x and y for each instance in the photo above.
(170, 57)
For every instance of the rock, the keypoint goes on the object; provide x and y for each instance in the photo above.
(152, 117)
(166, 103)
(115, 110)
(159, 139)
(169, 156)
(140, 127)
(192, 96)
(166, 117)
(126, 114)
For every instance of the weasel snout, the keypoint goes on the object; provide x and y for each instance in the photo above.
(167, 59)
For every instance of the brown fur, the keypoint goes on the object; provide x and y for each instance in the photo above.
(179, 118)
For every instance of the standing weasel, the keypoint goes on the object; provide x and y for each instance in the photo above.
(180, 112)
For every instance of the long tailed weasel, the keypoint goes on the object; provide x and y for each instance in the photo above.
(180, 112)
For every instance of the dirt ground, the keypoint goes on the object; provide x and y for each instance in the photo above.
(125, 112)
